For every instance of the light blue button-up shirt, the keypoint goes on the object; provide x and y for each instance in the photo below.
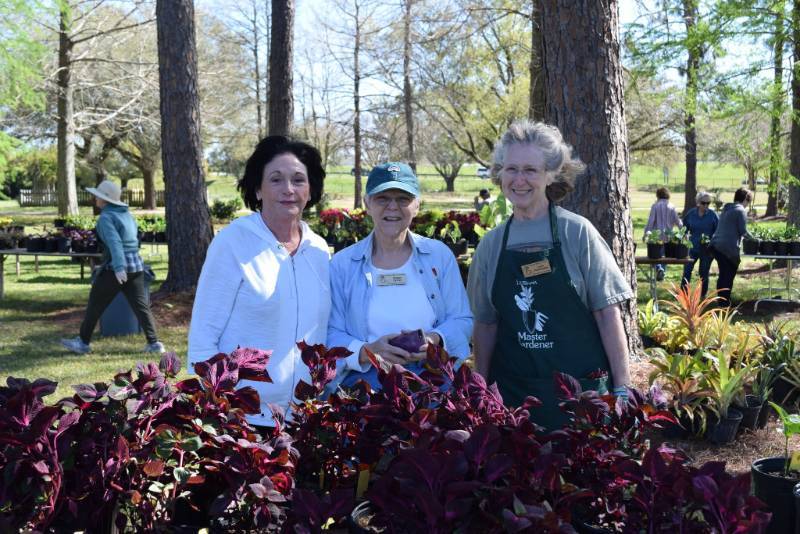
(352, 287)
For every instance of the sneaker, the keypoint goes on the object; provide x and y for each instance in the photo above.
(76, 345)
(660, 274)
(157, 347)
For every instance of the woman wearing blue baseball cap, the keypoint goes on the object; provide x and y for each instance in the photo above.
(394, 282)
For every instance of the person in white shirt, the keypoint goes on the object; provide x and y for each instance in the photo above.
(395, 281)
(265, 281)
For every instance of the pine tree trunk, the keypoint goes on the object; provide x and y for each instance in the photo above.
(537, 98)
(65, 129)
(407, 90)
(689, 124)
(357, 111)
(583, 80)
(148, 174)
(188, 222)
(777, 112)
(793, 209)
(281, 104)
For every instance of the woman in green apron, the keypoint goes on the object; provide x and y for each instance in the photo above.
(544, 287)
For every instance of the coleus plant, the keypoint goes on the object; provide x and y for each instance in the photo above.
(159, 452)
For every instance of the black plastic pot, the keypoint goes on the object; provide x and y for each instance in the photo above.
(722, 432)
(669, 250)
(64, 244)
(648, 342)
(750, 412)
(776, 491)
(766, 247)
(78, 246)
(794, 248)
(750, 246)
(36, 244)
(51, 244)
(781, 248)
(763, 415)
(680, 251)
(796, 493)
(459, 247)
(161, 237)
(655, 250)
(783, 392)
(59, 223)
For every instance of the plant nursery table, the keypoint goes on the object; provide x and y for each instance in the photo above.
(90, 256)
(789, 289)
(650, 274)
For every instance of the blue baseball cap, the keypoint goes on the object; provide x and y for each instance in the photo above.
(392, 175)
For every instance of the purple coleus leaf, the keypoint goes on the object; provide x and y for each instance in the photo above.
(483, 443)
(566, 386)
(252, 364)
(170, 365)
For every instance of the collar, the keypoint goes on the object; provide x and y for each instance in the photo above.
(362, 250)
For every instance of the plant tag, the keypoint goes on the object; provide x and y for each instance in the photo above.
(363, 482)
(536, 268)
(794, 462)
(398, 279)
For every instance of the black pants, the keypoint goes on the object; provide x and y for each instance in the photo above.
(727, 272)
(104, 289)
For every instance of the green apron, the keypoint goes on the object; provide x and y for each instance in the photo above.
(543, 327)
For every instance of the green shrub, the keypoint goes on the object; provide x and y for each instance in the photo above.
(224, 210)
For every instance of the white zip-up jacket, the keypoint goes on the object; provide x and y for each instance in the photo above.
(253, 293)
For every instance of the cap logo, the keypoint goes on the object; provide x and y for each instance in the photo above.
(394, 169)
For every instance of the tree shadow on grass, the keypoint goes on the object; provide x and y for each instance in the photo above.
(21, 306)
(57, 280)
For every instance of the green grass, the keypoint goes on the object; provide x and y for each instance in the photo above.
(40, 308)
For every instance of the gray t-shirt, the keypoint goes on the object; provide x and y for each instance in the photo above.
(591, 266)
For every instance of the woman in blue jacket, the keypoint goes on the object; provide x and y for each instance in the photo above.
(699, 222)
(395, 281)
(122, 270)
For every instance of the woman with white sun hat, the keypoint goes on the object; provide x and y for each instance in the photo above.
(121, 270)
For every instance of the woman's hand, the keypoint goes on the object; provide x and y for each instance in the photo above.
(431, 338)
(384, 351)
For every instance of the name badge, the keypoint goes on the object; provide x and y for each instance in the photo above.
(398, 279)
(536, 268)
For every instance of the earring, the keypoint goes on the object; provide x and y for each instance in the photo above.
(258, 197)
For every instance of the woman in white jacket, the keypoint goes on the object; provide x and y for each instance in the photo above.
(265, 281)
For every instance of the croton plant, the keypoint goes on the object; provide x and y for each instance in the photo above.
(436, 451)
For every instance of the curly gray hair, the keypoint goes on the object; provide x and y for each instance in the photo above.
(557, 154)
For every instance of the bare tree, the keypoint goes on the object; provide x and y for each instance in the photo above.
(583, 76)
(189, 229)
(408, 92)
(281, 102)
(75, 28)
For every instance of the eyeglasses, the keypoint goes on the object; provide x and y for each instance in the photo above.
(384, 200)
(705, 203)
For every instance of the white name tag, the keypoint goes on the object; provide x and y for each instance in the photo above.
(398, 279)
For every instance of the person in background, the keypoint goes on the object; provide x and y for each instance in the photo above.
(663, 218)
(482, 199)
(725, 242)
(264, 283)
(395, 281)
(122, 269)
(700, 221)
(544, 286)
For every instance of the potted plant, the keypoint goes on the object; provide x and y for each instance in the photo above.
(775, 478)
(767, 244)
(680, 377)
(679, 244)
(650, 321)
(792, 236)
(726, 378)
(761, 388)
(450, 235)
(751, 245)
(781, 243)
(655, 245)
(705, 244)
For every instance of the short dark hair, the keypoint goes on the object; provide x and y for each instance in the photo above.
(742, 194)
(268, 149)
(662, 192)
(484, 193)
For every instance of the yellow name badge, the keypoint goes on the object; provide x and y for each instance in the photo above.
(536, 268)
(398, 279)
